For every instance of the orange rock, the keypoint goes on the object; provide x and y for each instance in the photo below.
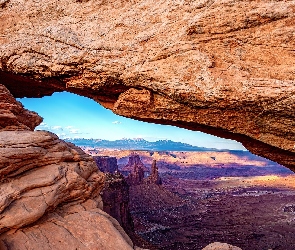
(220, 246)
(219, 67)
(49, 189)
(13, 116)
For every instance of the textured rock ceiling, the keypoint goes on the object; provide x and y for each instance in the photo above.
(223, 67)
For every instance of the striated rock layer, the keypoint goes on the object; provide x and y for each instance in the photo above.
(115, 197)
(106, 164)
(222, 67)
(49, 189)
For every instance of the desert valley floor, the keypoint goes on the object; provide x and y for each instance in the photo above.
(231, 196)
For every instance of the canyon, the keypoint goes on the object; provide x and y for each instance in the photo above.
(233, 197)
(221, 67)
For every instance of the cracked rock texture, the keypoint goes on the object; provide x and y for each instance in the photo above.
(223, 67)
(73, 226)
(49, 189)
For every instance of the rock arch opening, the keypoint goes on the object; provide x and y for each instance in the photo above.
(200, 193)
(261, 137)
(73, 116)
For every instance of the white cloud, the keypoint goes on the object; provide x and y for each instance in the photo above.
(74, 131)
(43, 125)
(116, 122)
(69, 127)
(56, 127)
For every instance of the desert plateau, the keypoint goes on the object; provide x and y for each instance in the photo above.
(204, 197)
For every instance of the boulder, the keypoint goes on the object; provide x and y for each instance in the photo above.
(220, 246)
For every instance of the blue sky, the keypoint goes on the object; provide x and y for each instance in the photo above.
(72, 116)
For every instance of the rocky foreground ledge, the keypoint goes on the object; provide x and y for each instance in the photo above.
(49, 189)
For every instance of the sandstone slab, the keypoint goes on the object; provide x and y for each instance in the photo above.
(73, 226)
(39, 172)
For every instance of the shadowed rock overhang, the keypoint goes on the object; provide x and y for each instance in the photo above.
(222, 67)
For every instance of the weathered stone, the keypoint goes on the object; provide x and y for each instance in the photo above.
(72, 226)
(12, 114)
(49, 190)
(154, 176)
(115, 197)
(137, 170)
(221, 67)
(220, 246)
(106, 164)
(38, 172)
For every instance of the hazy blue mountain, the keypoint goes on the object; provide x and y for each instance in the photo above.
(137, 144)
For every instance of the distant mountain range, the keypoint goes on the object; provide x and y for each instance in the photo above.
(137, 144)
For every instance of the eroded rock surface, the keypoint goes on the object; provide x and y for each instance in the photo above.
(220, 246)
(106, 164)
(73, 226)
(222, 67)
(115, 196)
(39, 172)
(49, 189)
(13, 116)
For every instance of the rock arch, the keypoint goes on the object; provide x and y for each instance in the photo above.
(168, 63)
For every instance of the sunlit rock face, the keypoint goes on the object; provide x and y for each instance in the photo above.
(220, 246)
(12, 114)
(222, 67)
(49, 189)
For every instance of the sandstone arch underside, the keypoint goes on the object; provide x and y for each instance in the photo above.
(222, 67)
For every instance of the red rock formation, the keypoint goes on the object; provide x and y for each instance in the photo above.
(106, 164)
(115, 197)
(49, 190)
(137, 173)
(154, 176)
(12, 114)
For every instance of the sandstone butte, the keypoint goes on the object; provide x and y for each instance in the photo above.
(222, 67)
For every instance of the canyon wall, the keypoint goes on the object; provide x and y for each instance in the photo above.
(222, 67)
(106, 164)
(49, 189)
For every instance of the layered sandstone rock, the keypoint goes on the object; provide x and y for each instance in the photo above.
(222, 67)
(137, 168)
(39, 172)
(220, 246)
(106, 164)
(115, 196)
(154, 176)
(49, 190)
(13, 116)
(73, 226)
